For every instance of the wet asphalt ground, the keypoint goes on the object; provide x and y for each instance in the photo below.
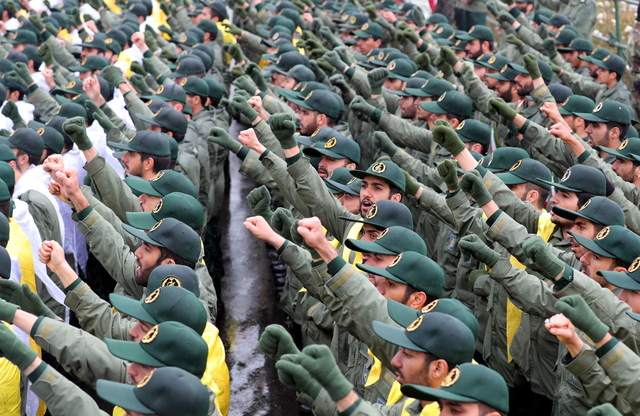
(250, 304)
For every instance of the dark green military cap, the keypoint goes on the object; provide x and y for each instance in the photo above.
(598, 54)
(545, 70)
(188, 66)
(393, 240)
(162, 184)
(168, 118)
(443, 31)
(90, 63)
(386, 213)
(6, 154)
(467, 383)
(208, 26)
(94, 42)
(113, 44)
(277, 21)
(627, 149)
(401, 69)
(503, 158)
(413, 82)
(168, 344)
(4, 237)
(196, 86)
(355, 21)
(450, 102)
(169, 92)
(324, 102)
(5, 259)
(542, 15)
(341, 181)
(613, 241)
(144, 141)
(576, 104)
(168, 303)
(198, 33)
(479, 32)
(337, 147)
(413, 269)
(301, 73)
(434, 87)
(285, 46)
(474, 131)
(437, 18)
(386, 170)
(506, 74)
(404, 315)
(22, 36)
(216, 90)
(606, 112)
(72, 87)
(4, 189)
(370, 30)
(581, 178)
(442, 335)
(174, 275)
(278, 37)
(565, 36)
(611, 63)
(487, 60)
(459, 45)
(598, 209)
(174, 235)
(164, 391)
(302, 89)
(219, 8)
(28, 141)
(321, 135)
(176, 205)
(578, 44)
(527, 170)
(629, 280)
(51, 138)
(285, 62)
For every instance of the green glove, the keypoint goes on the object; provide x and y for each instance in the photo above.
(345, 55)
(382, 141)
(7, 311)
(245, 83)
(555, 68)
(309, 35)
(418, 17)
(254, 71)
(315, 47)
(74, 19)
(326, 66)
(233, 29)
(576, 309)
(447, 70)
(513, 39)
(333, 58)
(424, 61)
(472, 183)
(606, 409)
(10, 110)
(241, 12)
(166, 29)
(138, 82)
(319, 362)
(137, 68)
(150, 40)
(237, 71)
(45, 53)
(241, 105)
(235, 50)
(537, 250)
(339, 81)
(295, 377)
(499, 106)
(372, 11)
(550, 46)
(37, 22)
(52, 29)
(23, 71)
(328, 35)
(15, 350)
(412, 185)
(403, 26)
(259, 201)
(531, 65)
(11, 7)
(276, 341)
(22, 296)
(449, 173)
(377, 78)
(400, 37)
(166, 9)
(543, 32)
(411, 35)
(448, 56)
(317, 71)
(446, 136)
(471, 245)
(282, 221)
(113, 75)
(99, 115)
(468, 74)
(75, 128)
(283, 127)
(363, 109)
(506, 18)
(220, 136)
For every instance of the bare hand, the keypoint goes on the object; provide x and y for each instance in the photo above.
(92, 87)
(560, 326)
(311, 230)
(52, 164)
(68, 180)
(261, 229)
(550, 110)
(138, 40)
(52, 255)
(248, 138)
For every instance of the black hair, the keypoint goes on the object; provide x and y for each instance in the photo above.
(583, 197)
(624, 128)
(393, 189)
(159, 162)
(20, 93)
(5, 208)
(179, 137)
(33, 159)
(543, 192)
(431, 358)
(165, 254)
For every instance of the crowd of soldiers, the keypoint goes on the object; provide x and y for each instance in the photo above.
(455, 203)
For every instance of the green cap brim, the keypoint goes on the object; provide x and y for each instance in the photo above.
(132, 308)
(317, 151)
(591, 246)
(564, 112)
(403, 315)
(142, 235)
(510, 179)
(559, 185)
(415, 92)
(122, 395)
(340, 188)
(380, 272)
(132, 351)
(140, 185)
(141, 220)
(614, 152)
(396, 336)
(367, 247)
(429, 393)
(361, 34)
(634, 316)
(620, 279)
(592, 117)
(148, 119)
(432, 107)
(122, 146)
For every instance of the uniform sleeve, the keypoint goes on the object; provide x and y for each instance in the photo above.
(510, 204)
(468, 220)
(62, 56)
(630, 191)
(631, 211)
(622, 365)
(582, 85)
(136, 107)
(44, 103)
(423, 173)
(285, 183)
(404, 134)
(188, 163)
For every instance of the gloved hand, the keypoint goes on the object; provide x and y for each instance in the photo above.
(22, 296)
(296, 377)
(606, 409)
(319, 362)
(259, 200)
(45, 53)
(382, 141)
(403, 26)
(236, 72)
(328, 35)
(247, 84)
(37, 22)
(7, 311)
(282, 221)
(309, 35)
(15, 350)
(241, 12)
(449, 173)
(468, 74)
(400, 38)
(555, 68)
(471, 245)
(411, 35)
(513, 39)
(446, 136)
(283, 127)
(412, 185)
(506, 18)
(576, 309)
(150, 41)
(339, 81)
(99, 115)
(52, 29)
(344, 54)
(254, 71)
(220, 136)
(151, 68)
(74, 18)
(241, 105)
(11, 7)
(333, 58)
(316, 48)
(276, 341)
(138, 82)
(472, 183)
(531, 65)
(377, 78)
(137, 68)
(499, 106)
(418, 17)
(10, 110)
(166, 29)
(166, 9)
(537, 250)
(113, 75)
(317, 71)
(326, 66)
(77, 131)
(233, 29)
(447, 70)
(424, 61)
(235, 50)
(492, 8)
(372, 11)
(543, 32)
(21, 69)
(362, 108)
(447, 55)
